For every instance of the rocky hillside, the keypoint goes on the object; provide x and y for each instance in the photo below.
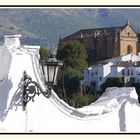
(45, 25)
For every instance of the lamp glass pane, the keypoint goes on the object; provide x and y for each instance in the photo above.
(51, 73)
(56, 71)
(46, 73)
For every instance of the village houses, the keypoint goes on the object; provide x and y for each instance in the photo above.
(126, 67)
(112, 52)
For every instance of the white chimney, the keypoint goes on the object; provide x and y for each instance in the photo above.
(12, 40)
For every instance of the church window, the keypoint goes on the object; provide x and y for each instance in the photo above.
(129, 49)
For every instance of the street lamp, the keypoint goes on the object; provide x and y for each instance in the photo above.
(31, 88)
(50, 70)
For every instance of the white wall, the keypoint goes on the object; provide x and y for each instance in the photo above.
(116, 71)
(137, 74)
(53, 115)
(107, 69)
(113, 71)
(12, 40)
(98, 74)
(91, 74)
(130, 57)
(5, 62)
(14, 62)
(119, 71)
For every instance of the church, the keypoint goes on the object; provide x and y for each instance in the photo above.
(105, 43)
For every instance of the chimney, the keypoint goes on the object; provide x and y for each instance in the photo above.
(12, 40)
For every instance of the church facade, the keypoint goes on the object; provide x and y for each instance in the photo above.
(105, 43)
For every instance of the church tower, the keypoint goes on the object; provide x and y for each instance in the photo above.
(128, 40)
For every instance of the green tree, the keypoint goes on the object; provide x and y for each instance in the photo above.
(73, 55)
(44, 53)
(72, 77)
(112, 82)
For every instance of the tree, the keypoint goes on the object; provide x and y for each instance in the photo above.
(73, 55)
(72, 78)
(44, 53)
(112, 82)
(79, 99)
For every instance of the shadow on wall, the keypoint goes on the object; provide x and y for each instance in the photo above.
(16, 101)
(4, 90)
(122, 115)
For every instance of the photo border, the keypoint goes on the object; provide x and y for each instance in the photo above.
(68, 136)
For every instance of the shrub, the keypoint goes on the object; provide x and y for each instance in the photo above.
(137, 87)
(79, 100)
(112, 82)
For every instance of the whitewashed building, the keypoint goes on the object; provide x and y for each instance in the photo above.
(126, 67)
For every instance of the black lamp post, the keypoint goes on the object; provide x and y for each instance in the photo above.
(31, 88)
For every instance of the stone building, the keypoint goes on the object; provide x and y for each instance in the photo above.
(105, 43)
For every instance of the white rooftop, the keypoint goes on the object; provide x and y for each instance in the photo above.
(116, 60)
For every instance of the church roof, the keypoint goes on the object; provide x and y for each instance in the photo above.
(98, 32)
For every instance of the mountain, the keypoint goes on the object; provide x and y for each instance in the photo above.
(43, 26)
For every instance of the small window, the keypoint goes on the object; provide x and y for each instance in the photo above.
(100, 78)
(122, 72)
(92, 74)
(128, 72)
(128, 34)
(131, 72)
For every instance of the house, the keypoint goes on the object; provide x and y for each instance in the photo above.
(126, 67)
(107, 42)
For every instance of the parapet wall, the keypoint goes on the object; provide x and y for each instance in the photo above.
(117, 109)
(12, 40)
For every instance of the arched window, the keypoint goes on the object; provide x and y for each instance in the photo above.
(129, 49)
